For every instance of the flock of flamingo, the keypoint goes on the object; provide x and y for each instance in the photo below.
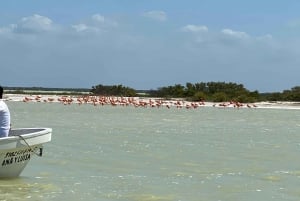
(131, 101)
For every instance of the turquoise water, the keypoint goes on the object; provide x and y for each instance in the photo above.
(148, 154)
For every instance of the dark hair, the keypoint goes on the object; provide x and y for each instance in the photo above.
(1, 92)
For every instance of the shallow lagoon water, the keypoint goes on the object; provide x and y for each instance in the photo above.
(149, 154)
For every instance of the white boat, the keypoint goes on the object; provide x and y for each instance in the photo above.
(19, 147)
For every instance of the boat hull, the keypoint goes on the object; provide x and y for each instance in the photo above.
(20, 147)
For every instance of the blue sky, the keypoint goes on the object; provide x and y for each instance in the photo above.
(146, 44)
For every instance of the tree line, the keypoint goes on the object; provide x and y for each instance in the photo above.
(210, 91)
(113, 90)
(203, 91)
(287, 95)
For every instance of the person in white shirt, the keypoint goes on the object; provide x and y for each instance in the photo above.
(4, 117)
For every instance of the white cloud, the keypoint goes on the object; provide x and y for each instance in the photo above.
(35, 23)
(101, 20)
(29, 25)
(98, 18)
(156, 15)
(236, 34)
(97, 23)
(83, 27)
(194, 28)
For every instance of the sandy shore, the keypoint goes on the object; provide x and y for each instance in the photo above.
(144, 102)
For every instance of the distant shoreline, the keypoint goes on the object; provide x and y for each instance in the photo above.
(144, 102)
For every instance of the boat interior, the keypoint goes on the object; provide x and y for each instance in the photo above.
(17, 132)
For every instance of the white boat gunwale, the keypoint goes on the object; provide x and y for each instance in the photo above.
(27, 132)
